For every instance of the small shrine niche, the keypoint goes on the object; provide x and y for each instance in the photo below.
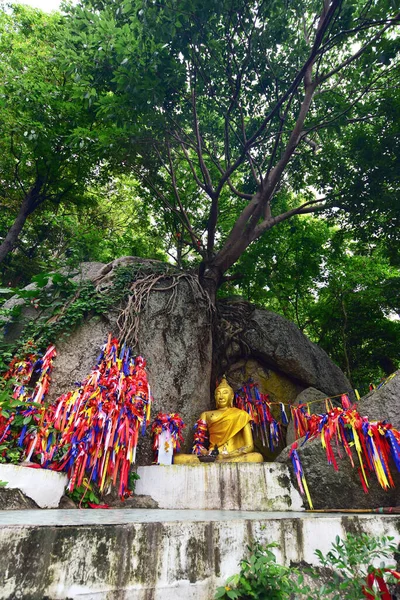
(279, 388)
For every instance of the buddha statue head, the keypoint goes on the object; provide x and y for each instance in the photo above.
(224, 394)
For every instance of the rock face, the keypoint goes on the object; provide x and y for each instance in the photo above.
(175, 335)
(87, 271)
(339, 489)
(279, 387)
(174, 338)
(383, 404)
(13, 499)
(342, 489)
(279, 344)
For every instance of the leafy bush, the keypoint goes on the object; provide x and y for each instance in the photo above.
(347, 564)
(261, 577)
(351, 560)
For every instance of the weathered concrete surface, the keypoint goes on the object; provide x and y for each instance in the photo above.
(339, 489)
(234, 486)
(383, 404)
(279, 344)
(173, 557)
(44, 487)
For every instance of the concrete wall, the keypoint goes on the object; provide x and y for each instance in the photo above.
(230, 486)
(43, 486)
(158, 560)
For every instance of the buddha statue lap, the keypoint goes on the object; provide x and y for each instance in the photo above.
(229, 429)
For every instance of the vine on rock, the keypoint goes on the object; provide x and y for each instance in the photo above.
(62, 303)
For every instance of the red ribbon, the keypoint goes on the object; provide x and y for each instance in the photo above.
(377, 576)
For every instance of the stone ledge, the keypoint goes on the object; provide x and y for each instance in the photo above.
(43, 486)
(230, 486)
(165, 558)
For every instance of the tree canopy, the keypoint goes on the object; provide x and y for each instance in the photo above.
(254, 142)
(44, 156)
(217, 108)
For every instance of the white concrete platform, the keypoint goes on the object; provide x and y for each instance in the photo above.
(43, 486)
(154, 554)
(230, 486)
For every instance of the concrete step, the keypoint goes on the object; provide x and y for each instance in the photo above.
(43, 486)
(230, 486)
(154, 554)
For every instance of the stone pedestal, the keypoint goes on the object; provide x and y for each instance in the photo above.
(43, 486)
(230, 486)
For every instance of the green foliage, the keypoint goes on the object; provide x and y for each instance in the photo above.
(113, 221)
(84, 495)
(133, 477)
(261, 577)
(343, 294)
(45, 160)
(346, 567)
(350, 561)
(232, 68)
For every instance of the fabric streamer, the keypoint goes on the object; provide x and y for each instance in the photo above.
(200, 437)
(21, 371)
(374, 443)
(167, 422)
(377, 576)
(264, 425)
(93, 430)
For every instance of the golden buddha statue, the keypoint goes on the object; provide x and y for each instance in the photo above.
(229, 430)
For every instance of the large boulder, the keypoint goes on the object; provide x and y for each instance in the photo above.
(383, 404)
(340, 489)
(174, 333)
(279, 344)
(174, 337)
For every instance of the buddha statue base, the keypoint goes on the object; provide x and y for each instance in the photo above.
(220, 486)
(192, 459)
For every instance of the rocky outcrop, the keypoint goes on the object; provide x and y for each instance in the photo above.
(174, 335)
(342, 488)
(278, 343)
(339, 489)
(175, 339)
(383, 404)
(14, 499)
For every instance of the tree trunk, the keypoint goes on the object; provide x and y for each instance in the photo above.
(210, 279)
(30, 202)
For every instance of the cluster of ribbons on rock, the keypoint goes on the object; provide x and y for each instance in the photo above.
(172, 423)
(93, 430)
(264, 425)
(374, 442)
